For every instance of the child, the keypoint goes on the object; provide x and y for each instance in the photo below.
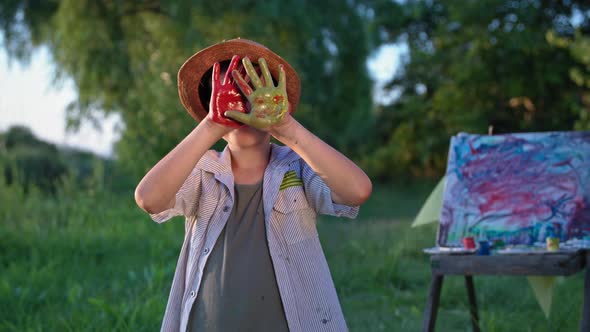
(251, 258)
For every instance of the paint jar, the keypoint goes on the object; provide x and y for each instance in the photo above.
(552, 243)
(499, 244)
(484, 248)
(548, 230)
(469, 242)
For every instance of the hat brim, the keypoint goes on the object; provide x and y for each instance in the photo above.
(192, 71)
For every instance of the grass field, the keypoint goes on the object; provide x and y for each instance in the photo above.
(92, 261)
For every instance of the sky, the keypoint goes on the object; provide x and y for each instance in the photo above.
(29, 97)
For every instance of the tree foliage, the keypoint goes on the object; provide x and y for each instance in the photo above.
(516, 65)
(123, 57)
(26, 160)
(474, 64)
(29, 162)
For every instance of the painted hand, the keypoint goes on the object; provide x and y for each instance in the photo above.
(225, 96)
(268, 103)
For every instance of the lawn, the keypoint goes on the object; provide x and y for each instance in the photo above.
(92, 261)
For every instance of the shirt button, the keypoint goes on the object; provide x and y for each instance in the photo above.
(324, 321)
(206, 250)
(225, 208)
(193, 293)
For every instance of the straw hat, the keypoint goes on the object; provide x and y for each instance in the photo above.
(194, 74)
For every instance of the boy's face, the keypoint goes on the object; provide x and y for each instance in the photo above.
(247, 137)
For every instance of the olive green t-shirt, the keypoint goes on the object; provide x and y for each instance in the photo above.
(239, 290)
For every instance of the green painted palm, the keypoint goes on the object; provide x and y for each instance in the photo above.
(269, 104)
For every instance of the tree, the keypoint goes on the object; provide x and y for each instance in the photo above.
(473, 64)
(123, 57)
(29, 161)
(579, 48)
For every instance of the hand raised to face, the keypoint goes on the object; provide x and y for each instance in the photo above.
(268, 104)
(225, 96)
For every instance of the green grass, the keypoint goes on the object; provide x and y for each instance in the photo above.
(91, 261)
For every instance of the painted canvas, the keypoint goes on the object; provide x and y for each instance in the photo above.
(518, 188)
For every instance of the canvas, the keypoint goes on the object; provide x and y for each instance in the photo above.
(518, 188)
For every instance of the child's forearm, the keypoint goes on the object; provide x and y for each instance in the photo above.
(348, 183)
(156, 191)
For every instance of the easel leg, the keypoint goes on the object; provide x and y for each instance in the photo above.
(432, 304)
(585, 323)
(472, 303)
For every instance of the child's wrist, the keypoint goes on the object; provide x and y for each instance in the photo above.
(286, 130)
(214, 128)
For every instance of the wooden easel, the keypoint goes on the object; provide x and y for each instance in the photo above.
(550, 264)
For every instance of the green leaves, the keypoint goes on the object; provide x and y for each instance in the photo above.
(123, 57)
(578, 46)
(472, 61)
(483, 63)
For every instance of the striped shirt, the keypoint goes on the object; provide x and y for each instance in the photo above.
(293, 194)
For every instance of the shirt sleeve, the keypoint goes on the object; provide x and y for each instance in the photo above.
(319, 195)
(187, 198)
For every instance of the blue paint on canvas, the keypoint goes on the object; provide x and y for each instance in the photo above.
(518, 188)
